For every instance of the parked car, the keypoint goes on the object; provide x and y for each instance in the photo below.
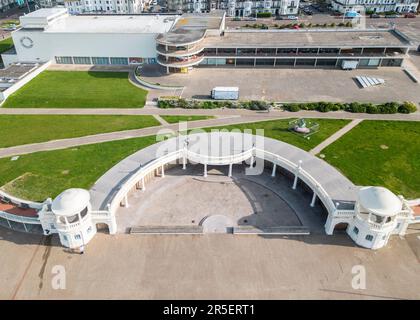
(391, 16)
(375, 16)
(409, 15)
(286, 18)
(10, 27)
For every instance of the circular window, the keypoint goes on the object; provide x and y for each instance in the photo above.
(27, 42)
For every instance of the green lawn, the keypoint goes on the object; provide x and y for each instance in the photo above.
(78, 89)
(6, 44)
(45, 174)
(176, 119)
(278, 129)
(383, 153)
(22, 129)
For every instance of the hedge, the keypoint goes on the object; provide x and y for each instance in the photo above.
(355, 107)
(263, 14)
(212, 104)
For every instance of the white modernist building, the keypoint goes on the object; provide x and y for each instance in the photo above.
(105, 6)
(54, 35)
(376, 6)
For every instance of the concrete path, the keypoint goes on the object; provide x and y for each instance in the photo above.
(121, 135)
(150, 110)
(162, 121)
(337, 135)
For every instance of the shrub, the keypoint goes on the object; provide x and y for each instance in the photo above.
(263, 14)
(370, 108)
(301, 25)
(292, 107)
(407, 107)
(356, 107)
(389, 107)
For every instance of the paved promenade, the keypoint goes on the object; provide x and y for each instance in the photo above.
(215, 112)
(207, 267)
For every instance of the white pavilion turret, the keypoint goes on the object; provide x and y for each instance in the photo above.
(73, 221)
(379, 213)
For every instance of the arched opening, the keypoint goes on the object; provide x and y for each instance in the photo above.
(102, 228)
(340, 227)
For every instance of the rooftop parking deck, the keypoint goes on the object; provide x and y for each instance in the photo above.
(298, 38)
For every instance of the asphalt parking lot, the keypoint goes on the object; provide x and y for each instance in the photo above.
(297, 85)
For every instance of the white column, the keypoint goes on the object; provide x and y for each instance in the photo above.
(143, 185)
(230, 169)
(251, 163)
(297, 175)
(313, 199)
(273, 174)
(126, 201)
(205, 170)
(162, 171)
(184, 163)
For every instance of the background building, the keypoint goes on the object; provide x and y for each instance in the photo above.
(105, 6)
(7, 4)
(235, 7)
(376, 6)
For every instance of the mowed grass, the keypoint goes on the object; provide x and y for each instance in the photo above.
(40, 175)
(78, 89)
(380, 153)
(23, 129)
(6, 44)
(176, 119)
(278, 129)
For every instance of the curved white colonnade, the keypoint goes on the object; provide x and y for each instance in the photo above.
(178, 151)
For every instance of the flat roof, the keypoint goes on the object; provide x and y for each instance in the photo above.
(113, 24)
(298, 38)
(191, 27)
(45, 12)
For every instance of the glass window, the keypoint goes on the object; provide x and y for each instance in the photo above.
(391, 62)
(246, 51)
(77, 237)
(82, 60)
(100, 60)
(265, 62)
(328, 50)
(369, 237)
(84, 212)
(210, 51)
(211, 61)
(356, 230)
(266, 51)
(119, 61)
(244, 62)
(286, 51)
(64, 60)
(226, 51)
(73, 218)
(305, 62)
(285, 62)
(308, 51)
(326, 62)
